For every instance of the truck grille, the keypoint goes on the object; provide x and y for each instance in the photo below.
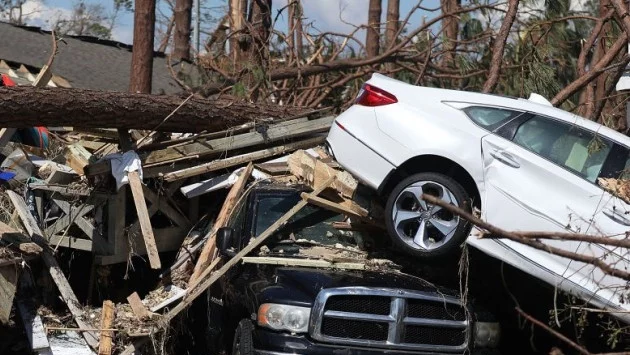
(390, 318)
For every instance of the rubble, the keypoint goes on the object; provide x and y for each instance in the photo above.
(74, 196)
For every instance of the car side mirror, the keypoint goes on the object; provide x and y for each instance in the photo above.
(225, 241)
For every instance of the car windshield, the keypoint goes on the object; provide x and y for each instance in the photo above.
(312, 225)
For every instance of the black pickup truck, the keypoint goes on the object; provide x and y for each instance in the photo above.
(315, 288)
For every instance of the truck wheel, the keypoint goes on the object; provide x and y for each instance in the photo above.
(243, 342)
(421, 229)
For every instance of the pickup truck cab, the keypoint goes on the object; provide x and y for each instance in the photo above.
(315, 288)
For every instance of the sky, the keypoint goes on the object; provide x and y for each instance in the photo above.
(325, 15)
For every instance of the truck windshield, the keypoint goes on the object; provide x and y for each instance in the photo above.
(310, 224)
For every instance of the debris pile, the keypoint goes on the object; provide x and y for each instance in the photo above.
(88, 193)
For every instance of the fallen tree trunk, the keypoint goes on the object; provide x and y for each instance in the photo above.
(22, 107)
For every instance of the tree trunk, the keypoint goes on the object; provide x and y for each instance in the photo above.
(261, 29)
(238, 40)
(599, 91)
(499, 46)
(142, 55)
(22, 107)
(372, 39)
(183, 13)
(450, 30)
(299, 40)
(392, 26)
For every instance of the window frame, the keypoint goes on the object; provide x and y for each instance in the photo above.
(490, 128)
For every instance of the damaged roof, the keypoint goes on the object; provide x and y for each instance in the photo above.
(85, 62)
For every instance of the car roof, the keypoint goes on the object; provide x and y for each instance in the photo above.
(447, 95)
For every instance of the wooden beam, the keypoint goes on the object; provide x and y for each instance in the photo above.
(107, 319)
(138, 308)
(335, 207)
(242, 159)
(145, 221)
(116, 212)
(277, 132)
(302, 262)
(202, 284)
(72, 242)
(230, 201)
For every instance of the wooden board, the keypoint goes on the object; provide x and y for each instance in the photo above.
(242, 159)
(32, 322)
(138, 308)
(143, 217)
(302, 262)
(107, 319)
(281, 131)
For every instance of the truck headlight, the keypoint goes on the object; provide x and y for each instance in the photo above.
(284, 317)
(487, 334)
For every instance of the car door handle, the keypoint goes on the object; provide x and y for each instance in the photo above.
(617, 216)
(505, 158)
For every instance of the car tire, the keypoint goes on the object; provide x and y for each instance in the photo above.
(443, 232)
(243, 343)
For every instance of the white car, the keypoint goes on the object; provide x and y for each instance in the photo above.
(526, 165)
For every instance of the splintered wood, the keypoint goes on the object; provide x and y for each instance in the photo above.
(315, 172)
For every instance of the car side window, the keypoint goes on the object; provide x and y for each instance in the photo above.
(569, 146)
(490, 118)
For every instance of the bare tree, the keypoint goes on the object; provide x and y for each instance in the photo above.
(392, 26)
(143, 38)
(373, 36)
(238, 16)
(499, 46)
(183, 13)
(450, 30)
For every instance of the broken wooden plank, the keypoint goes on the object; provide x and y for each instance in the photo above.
(138, 308)
(242, 159)
(355, 210)
(277, 132)
(107, 319)
(143, 217)
(25, 215)
(196, 289)
(314, 172)
(71, 242)
(230, 201)
(273, 169)
(302, 262)
(77, 157)
(67, 294)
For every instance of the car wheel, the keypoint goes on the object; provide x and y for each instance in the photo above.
(243, 341)
(421, 229)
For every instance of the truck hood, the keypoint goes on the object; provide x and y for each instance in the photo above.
(300, 286)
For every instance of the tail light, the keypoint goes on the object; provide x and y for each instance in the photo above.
(373, 96)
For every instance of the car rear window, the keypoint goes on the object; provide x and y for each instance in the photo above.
(490, 118)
